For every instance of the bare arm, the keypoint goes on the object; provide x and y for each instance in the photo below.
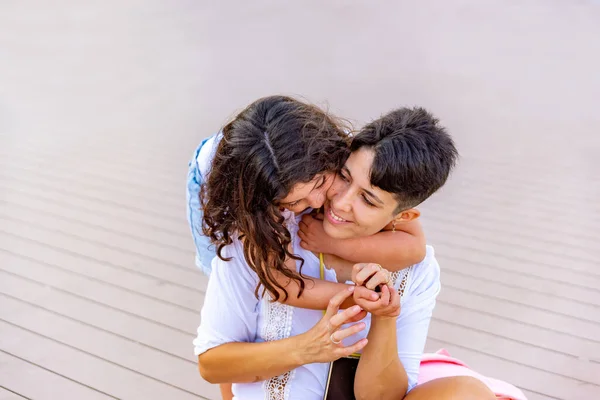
(380, 374)
(317, 292)
(393, 250)
(251, 362)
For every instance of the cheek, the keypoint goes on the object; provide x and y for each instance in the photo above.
(371, 220)
(335, 188)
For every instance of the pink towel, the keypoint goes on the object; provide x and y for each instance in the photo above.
(442, 365)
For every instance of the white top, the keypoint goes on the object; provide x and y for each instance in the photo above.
(231, 313)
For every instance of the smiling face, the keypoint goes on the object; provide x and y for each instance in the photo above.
(311, 194)
(354, 207)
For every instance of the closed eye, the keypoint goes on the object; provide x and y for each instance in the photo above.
(370, 204)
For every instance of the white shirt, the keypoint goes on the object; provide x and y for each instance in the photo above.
(231, 313)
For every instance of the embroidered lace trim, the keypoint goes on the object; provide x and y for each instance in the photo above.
(400, 279)
(278, 326)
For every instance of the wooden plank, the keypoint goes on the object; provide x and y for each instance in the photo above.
(116, 185)
(529, 395)
(179, 318)
(520, 313)
(157, 336)
(583, 349)
(103, 162)
(83, 367)
(83, 191)
(582, 230)
(113, 241)
(126, 353)
(555, 286)
(541, 301)
(496, 244)
(60, 263)
(505, 234)
(158, 238)
(165, 188)
(31, 381)
(51, 193)
(556, 363)
(544, 383)
(459, 252)
(71, 247)
(6, 394)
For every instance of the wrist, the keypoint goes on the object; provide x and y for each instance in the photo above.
(383, 321)
(298, 350)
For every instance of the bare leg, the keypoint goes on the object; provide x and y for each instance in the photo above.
(226, 392)
(452, 388)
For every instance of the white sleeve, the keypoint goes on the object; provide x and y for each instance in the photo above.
(415, 315)
(230, 310)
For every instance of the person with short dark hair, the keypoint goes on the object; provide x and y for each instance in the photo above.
(280, 351)
(278, 157)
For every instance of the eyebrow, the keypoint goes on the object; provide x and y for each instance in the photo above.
(295, 201)
(371, 194)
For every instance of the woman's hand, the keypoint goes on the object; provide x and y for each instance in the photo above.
(369, 277)
(323, 342)
(313, 236)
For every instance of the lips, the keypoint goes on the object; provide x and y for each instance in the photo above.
(333, 217)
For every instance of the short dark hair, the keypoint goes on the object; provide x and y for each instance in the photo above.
(413, 154)
(269, 147)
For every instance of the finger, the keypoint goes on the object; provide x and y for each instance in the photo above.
(349, 331)
(302, 235)
(355, 348)
(358, 317)
(344, 317)
(385, 295)
(379, 278)
(336, 301)
(365, 273)
(307, 219)
(304, 245)
(356, 270)
(394, 296)
(302, 225)
(319, 217)
(361, 292)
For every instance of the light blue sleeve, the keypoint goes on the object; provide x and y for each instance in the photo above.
(199, 166)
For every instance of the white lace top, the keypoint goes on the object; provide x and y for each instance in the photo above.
(231, 313)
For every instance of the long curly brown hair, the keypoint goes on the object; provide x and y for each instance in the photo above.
(272, 145)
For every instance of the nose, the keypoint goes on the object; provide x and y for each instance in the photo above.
(317, 199)
(341, 201)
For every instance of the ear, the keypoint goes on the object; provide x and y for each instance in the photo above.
(407, 215)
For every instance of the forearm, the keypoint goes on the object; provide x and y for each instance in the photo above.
(393, 250)
(316, 294)
(380, 374)
(250, 362)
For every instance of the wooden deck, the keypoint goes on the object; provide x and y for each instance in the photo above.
(101, 104)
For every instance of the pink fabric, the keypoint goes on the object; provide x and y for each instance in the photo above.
(442, 365)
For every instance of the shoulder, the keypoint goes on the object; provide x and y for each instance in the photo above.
(236, 272)
(207, 153)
